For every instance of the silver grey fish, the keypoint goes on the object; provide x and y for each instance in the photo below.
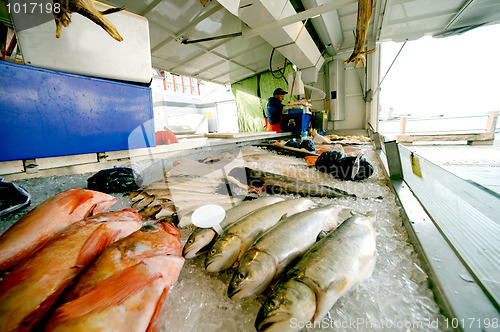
(236, 239)
(327, 271)
(200, 238)
(269, 256)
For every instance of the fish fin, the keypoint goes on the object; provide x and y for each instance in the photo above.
(321, 235)
(74, 200)
(111, 291)
(101, 206)
(332, 293)
(158, 307)
(96, 242)
(283, 217)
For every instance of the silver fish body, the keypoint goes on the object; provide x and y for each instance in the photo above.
(326, 272)
(202, 237)
(269, 256)
(236, 239)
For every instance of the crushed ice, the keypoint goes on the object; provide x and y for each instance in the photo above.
(396, 297)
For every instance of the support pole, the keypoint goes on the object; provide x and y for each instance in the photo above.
(402, 125)
(491, 125)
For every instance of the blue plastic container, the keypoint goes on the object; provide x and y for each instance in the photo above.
(295, 119)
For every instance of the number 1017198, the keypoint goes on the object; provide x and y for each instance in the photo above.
(472, 323)
(33, 8)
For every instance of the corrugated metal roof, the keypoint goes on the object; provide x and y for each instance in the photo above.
(232, 59)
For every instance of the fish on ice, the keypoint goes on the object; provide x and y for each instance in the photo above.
(236, 239)
(273, 252)
(31, 288)
(201, 238)
(126, 286)
(332, 267)
(46, 220)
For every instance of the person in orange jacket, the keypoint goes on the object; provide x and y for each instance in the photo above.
(274, 110)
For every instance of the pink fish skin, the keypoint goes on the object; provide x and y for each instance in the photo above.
(46, 220)
(28, 292)
(125, 287)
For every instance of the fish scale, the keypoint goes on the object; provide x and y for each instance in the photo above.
(332, 267)
(280, 246)
(234, 241)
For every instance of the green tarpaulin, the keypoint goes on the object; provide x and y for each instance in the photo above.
(251, 96)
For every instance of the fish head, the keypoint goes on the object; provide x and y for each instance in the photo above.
(153, 240)
(198, 241)
(290, 301)
(224, 253)
(255, 272)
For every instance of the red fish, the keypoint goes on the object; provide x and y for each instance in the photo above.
(32, 287)
(125, 287)
(46, 220)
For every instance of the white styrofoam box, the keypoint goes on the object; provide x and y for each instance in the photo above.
(85, 48)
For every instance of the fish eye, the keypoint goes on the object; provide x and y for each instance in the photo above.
(190, 241)
(213, 251)
(149, 227)
(241, 275)
(274, 304)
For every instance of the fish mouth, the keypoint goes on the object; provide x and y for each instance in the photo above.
(234, 293)
(211, 265)
(191, 251)
(241, 291)
(275, 322)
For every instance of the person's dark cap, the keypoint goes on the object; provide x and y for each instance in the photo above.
(279, 91)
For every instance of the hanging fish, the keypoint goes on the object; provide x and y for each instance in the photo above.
(365, 8)
(87, 8)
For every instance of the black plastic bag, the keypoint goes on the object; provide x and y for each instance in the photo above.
(12, 197)
(327, 161)
(308, 145)
(343, 167)
(293, 144)
(115, 180)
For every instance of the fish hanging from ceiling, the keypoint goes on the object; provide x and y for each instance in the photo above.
(87, 8)
(365, 8)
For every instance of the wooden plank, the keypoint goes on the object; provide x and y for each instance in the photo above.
(446, 137)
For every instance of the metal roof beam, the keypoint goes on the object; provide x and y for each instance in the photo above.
(150, 7)
(457, 15)
(298, 17)
(421, 17)
(188, 28)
